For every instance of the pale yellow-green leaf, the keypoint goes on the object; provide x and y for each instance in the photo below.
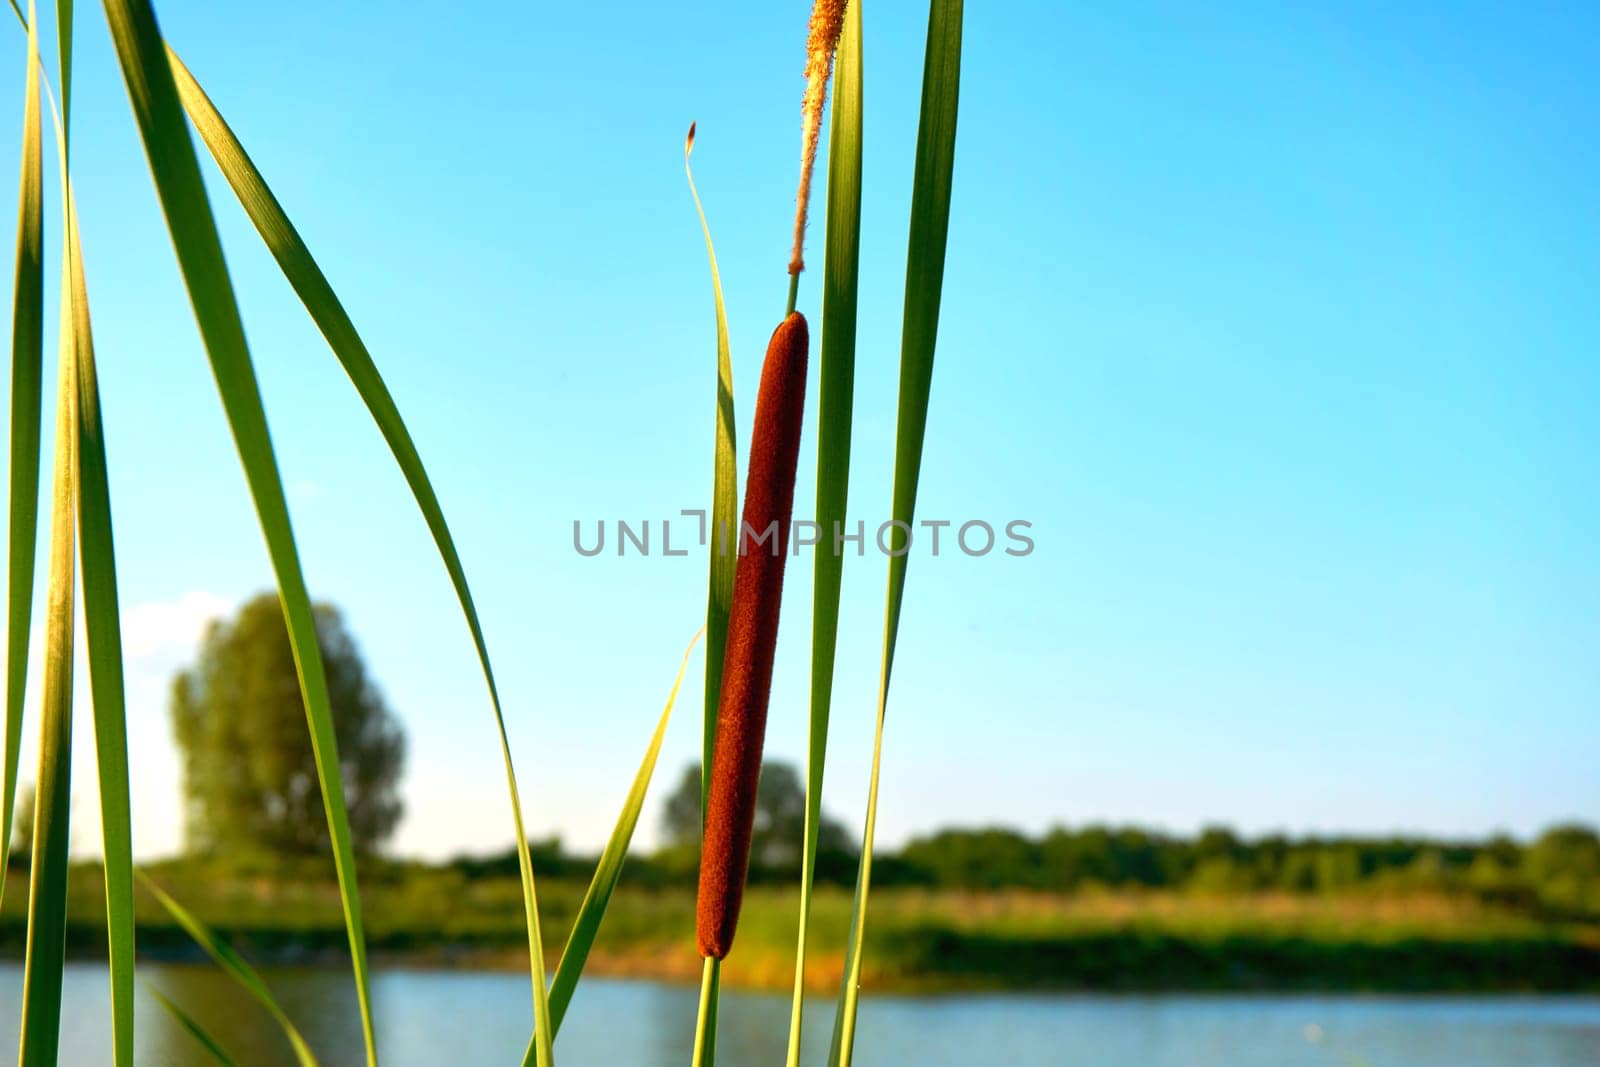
(235, 967)
(593, 909)
(192, 1025)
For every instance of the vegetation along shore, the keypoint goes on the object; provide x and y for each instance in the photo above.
(1101, 909)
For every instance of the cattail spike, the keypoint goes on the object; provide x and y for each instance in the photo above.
(827, 20)
(752, 637)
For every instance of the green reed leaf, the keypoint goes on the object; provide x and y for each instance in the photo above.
(191, 1024)
(317, 294)
(102, 626)
(47, 894)
(841, 273)
(142, 56)
(27, 386)
(102, 631)
(723, 533)
(723, 537)
(64, 51)
(593, 909)
(925, 251)
(235, 966)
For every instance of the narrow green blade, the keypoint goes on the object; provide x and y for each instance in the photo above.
(723, 533)
(156, 106)
(930, 222)
(102, 626)
(191, 1024)
(47, 893)
(593, 909)
(27, 385)
(102, 631)
(841, 273)
(723, 538)
(316, 293)
(235, 967)
(64, 51)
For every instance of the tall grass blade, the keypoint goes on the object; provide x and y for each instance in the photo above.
(841, 273)
(723, 533)
(316, 293)
(236, 968)
(27, 360)
(156, 106)
(191, 1024)
(64, 51)
(102, 631)
(723, 538)
(47, 892)
(102, 627)
(607, 871)
(925, 250)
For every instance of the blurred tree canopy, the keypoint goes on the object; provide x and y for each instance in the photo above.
(780, 828)
(1553, 876)
(21, 844)
(1564, 863)
(249, 777)
(1558, 873)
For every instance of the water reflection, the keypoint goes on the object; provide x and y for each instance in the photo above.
(429, 1018)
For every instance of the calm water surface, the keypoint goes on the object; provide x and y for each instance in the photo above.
(430, 1018)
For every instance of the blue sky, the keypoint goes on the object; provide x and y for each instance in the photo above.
(1276, 321)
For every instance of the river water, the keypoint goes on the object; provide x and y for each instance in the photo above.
(427, 1018)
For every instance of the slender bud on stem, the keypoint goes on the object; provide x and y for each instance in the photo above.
(752, 636)
(827, 20)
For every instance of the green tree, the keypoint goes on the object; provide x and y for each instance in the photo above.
(780, 828)
(250, 782)
(1563, 866)
(987, 858)
(22, 825)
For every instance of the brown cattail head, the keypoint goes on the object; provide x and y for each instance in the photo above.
(752, 635)
(827, 20)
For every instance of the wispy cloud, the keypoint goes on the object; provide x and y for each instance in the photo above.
(159, 637)
(159, 629)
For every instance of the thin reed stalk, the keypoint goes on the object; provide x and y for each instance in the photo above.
(925, 252)
(705, 1023)
(835, 407)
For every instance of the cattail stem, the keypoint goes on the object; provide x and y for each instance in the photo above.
(705, 1023)
(752, 637)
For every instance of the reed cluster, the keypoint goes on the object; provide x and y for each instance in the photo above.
(744, 601)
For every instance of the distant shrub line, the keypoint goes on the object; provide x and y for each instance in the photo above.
(1557, 873)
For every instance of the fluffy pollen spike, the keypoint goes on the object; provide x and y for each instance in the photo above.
(827, 21)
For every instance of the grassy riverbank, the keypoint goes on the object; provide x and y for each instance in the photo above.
(919, 939)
